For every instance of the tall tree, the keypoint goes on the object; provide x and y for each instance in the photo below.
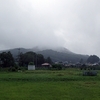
(6, 59)
(48, 60)
(40, 59)
(93, 59)
(24, 59)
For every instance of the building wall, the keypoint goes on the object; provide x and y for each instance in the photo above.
(31, 67)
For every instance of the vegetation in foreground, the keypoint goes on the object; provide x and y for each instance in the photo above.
(49, 85)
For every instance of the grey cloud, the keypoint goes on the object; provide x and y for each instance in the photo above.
(74, 24)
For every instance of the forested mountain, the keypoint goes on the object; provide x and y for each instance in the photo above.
(56, 54)
(62, 56)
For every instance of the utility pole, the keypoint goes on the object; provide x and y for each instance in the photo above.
(18, 55)
(36, 60)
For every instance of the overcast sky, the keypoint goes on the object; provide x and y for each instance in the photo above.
(74, 24)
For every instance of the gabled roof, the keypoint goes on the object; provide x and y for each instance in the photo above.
(45, 64)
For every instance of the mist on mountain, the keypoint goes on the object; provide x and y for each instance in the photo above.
(59, 54)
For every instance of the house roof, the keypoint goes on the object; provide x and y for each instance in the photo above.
(45, 64)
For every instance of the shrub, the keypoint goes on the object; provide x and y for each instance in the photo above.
(31, 63)
(57, 66)
(12, 69)
(89, 73)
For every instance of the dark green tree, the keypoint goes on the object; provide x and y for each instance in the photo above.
(40, 59)
(25, 59)
(6, 59)
(48, 60)
(93, 59)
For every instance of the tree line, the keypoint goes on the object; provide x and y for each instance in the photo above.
(23, 59)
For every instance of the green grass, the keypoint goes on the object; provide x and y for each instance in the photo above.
(49, 85)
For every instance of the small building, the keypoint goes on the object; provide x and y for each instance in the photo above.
(31, 67)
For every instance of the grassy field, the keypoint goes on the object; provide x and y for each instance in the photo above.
(49, 85)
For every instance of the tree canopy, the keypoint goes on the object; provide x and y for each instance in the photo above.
(6, 59)
(93, 59)
(25, 59)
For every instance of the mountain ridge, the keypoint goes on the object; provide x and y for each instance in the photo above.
(56, 54)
